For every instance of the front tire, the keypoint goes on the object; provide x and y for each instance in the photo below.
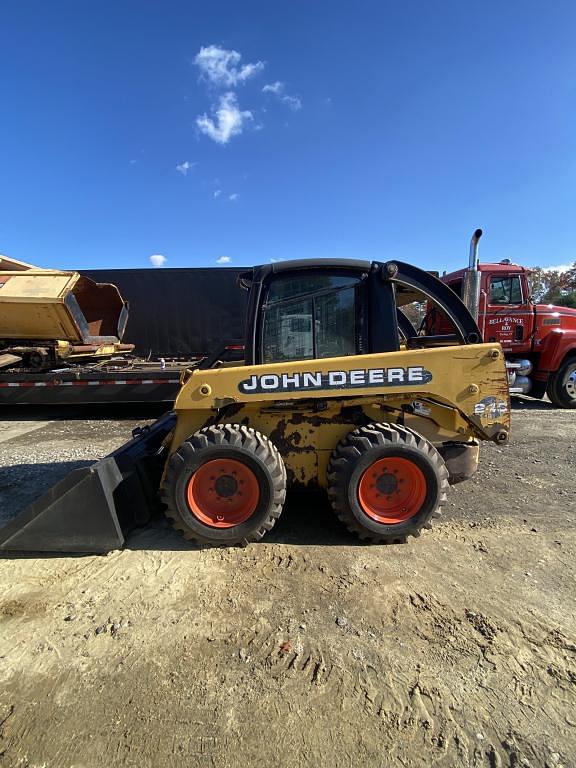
(562, 385)
(225, 485)
(386, 482)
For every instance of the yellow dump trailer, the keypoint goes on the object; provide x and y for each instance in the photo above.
(47, 316)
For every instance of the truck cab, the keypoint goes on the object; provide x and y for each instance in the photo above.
(539, 340)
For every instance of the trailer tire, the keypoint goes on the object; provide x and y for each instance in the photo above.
(386, 482)
(562, 385)
(225, 486)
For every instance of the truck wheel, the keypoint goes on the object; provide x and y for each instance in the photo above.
(225, 485)
(386, 482)
(562, 385)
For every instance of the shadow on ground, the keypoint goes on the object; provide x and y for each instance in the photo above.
(307, 518)
(528, 404)
(21, 484)
(96, 412)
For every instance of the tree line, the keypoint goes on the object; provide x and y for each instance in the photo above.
(553, 286)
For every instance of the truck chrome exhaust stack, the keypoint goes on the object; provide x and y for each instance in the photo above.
(473, 258)
(471, 287)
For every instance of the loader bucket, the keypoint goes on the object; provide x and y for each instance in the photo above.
(94, 508)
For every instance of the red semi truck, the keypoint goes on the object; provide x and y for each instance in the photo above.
(539, 340)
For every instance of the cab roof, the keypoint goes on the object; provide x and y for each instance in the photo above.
(489, 267)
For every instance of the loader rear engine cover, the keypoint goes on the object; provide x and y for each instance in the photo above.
(338, 390)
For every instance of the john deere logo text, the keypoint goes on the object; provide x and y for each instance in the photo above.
(363, 377)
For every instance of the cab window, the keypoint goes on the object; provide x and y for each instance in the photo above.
(456, 287)
(290, 286)
(310, 316)
(505, 290)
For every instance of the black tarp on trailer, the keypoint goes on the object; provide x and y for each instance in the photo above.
(179, 313)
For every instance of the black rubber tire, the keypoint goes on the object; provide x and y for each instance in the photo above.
(356, 452)
(557, 390)
(232, 441)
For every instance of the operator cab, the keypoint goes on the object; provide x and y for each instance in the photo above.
(303, 310)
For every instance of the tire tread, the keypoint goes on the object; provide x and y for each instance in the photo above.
(364, 439)
(236, 436)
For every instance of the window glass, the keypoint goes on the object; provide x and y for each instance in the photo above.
(323, 326)
(288, 331)
(505, 290)
(289, 286)
(335, 324)
(457, 287)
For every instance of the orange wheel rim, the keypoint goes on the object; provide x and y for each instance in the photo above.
(223, 493)
(392, 490)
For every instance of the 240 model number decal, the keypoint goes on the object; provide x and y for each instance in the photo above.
(355, 379)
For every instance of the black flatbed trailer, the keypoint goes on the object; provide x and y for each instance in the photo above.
(180, 315)
(142, 382)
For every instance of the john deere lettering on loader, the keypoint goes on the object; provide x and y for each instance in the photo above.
(350, 398)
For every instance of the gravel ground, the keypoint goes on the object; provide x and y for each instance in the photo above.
(41, 449)
(457, 649)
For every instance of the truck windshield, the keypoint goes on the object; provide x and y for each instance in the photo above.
(505, 290)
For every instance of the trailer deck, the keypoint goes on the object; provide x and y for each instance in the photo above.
(139, 382)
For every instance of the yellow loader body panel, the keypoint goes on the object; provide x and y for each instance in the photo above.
(306, 407)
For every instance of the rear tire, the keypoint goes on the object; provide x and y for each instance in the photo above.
(225, 485)
(562, 385)
(386, 482)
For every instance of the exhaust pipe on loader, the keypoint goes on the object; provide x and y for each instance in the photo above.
(93, 508)
(471, 287)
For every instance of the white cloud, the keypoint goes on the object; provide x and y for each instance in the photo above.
(217, 192)
(229, 120)
(184, 167)
(157, 260)
(293, 102)
(221, 67)
(558, 268)
(234, 196)
(223, 260)
(278, 89)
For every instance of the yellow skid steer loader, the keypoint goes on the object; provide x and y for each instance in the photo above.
(338, 390)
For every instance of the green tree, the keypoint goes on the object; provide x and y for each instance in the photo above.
(552, 286)
(570, 278)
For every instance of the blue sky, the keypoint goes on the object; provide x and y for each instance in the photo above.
(239, 132)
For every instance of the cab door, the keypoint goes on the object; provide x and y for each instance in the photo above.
(311, 314)
(508, 314)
